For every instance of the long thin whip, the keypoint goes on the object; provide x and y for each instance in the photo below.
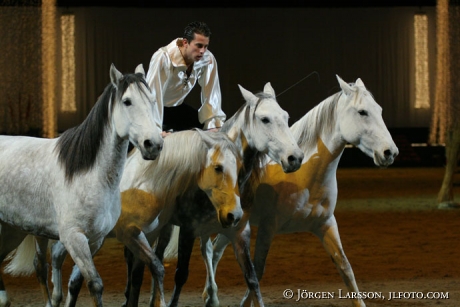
(307, 76)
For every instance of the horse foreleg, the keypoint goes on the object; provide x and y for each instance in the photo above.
(186, 242)
(58, 255)
(41, 267)
(76, 244)
(241, 245)
(265, 234)
(331, 242)
(135, 276)
(163, 241)
(217, 249)
(210, 290)
(9, 239)
(136, 241)
(74, 287)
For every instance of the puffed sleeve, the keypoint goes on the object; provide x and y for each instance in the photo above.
(156, 78)
(210, 114)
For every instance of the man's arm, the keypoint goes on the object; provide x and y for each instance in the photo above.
(156, 78)
(210, 114)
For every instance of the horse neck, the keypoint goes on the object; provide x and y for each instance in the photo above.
(320, 124)
(112, 157)
(176, 170)
(94, 149)
(250, 172)
(318, 133)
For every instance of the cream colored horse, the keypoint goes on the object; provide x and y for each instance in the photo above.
(304, 201)
(260, 128)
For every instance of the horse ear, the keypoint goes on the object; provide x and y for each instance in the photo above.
(359, 82)
(140, 70)
(115, 75)
(268, 89)
(346, 88)
(204, 136)
(248, 96)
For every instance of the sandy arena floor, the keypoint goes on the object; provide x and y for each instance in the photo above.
(392, 232)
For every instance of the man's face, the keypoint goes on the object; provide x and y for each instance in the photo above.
(196, 48)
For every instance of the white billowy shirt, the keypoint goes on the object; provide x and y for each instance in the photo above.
(169, 84)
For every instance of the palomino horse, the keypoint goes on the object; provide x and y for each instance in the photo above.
(67, 188)
(260, 126)
(304, 201)
(191, 161)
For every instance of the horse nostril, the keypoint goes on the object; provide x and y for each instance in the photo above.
(292, 159)
(148, 144)
(236, 221)
(230, 218)
(387, 153)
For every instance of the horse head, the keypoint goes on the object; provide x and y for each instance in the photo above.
(266, 129)
(133, 112)
(218, 178)
(361, 123)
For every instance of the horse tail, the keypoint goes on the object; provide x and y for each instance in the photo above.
(22, 258)
(171, 250)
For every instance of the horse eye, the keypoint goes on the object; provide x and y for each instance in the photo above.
(265, 120)
(127, 102)
(218, 168)
(362, 113)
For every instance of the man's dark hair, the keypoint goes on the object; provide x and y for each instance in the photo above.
(197, 27)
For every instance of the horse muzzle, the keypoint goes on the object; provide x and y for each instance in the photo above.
(293, 162)
(385, 158)
(151, 150)
(230, 219)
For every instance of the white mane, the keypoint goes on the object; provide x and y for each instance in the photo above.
(320, 119)
(179, 166)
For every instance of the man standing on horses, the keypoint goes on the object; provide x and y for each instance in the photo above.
(173, 72)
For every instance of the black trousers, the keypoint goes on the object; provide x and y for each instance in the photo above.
(183, 117)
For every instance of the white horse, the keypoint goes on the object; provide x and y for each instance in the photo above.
(190, 161)
(259, 127)
(304, 201)
(67, 188)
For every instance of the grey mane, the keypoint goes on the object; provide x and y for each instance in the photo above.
(252, 159)
(79, 146)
